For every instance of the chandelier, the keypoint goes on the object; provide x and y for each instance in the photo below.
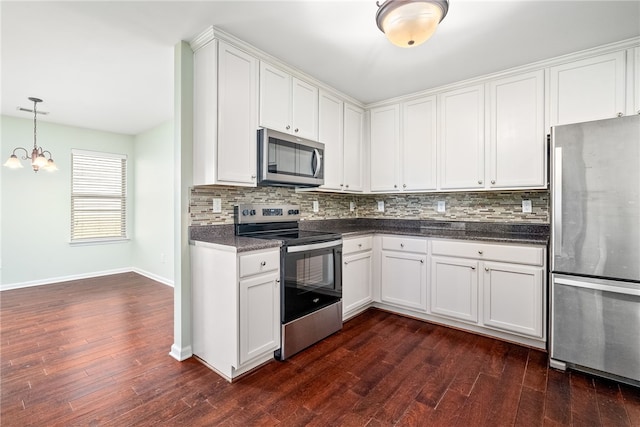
(408, 23)
(37, 157)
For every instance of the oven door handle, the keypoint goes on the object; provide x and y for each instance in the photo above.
(314, 246)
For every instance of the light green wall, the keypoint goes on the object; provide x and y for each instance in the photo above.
(35, 218)
(153, 196)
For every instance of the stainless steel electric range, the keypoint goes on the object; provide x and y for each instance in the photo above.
(310, 269)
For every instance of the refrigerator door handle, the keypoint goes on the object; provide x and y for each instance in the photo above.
(597, 286)
(557, 199)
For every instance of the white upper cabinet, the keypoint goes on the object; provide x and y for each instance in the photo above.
(588, 89)
(461, 138)
(353, 146)
(288, 104)
(330, 133)
(225, 116)
(385, 145)
(418, 148)
(517, 141)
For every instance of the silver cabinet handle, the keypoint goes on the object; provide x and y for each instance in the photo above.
(263, 263)
(404, 185)
(346, 262)
(493, 181)
(479, 181)
(473, 268)
(359, 245)
(395, 185)
(480, 252)
(421, 261)
(402, 245)
(620, 114)
(295, 130)
(347, 185)
(288, 127)
(486, 269)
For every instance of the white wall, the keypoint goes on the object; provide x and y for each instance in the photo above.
(153, 246)
(35, 218)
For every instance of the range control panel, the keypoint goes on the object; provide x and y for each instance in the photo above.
(255, 213)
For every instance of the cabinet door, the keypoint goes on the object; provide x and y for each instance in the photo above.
(259, 316)
(205, 111)
(275, 98)
(461, 137)
(418, 158)
(385, 139)
(454, 288)
(237, 116)
(304, 110)
(404, 280)
(330, 116)
(356, 282)
(517, 147)
(589, 89)
(513, 298)
(353, 139)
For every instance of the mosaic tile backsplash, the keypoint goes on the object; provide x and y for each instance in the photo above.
(477, 206)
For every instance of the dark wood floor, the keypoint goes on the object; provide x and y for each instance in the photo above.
(95, 352)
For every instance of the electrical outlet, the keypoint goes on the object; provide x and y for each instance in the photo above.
(381, 206)
(217, 205)
(441, 206)
(352, 206)
(526, 206)
(316, 206)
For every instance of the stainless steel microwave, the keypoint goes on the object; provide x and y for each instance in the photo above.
(289, 161)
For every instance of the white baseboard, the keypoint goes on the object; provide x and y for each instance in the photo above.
(152, 276)
(53, 280)
(180, 354)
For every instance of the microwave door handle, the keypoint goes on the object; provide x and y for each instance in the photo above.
(318, 161)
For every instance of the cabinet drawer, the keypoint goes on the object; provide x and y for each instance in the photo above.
(490, 252)
(259, 263)
(357, 244)
(404, 244)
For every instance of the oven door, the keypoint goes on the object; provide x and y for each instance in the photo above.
(312, 277)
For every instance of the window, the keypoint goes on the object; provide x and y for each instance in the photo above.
(98, 196)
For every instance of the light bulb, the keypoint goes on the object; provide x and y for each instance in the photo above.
(40, 161)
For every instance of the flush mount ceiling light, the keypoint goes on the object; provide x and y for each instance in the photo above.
(409, 23)
(37, 157)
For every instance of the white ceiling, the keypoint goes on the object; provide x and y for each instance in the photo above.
(109, 65)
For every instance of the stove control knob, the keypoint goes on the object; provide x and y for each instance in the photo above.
(253, 212)
(245, 212)
(291, 212)
(297, 211)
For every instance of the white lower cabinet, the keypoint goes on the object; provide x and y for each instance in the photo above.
(235, 307)
(356, 282)
(513, 298)
(403, 272)
(454, 288)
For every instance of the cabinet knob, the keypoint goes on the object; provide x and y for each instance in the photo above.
(395, 186)
(638, 111)
(359, 245)
(347, 186)
(346, 262)
(253, 177)
(277, 282)
(620, 114)
(479, 252)
(473, 268)
(295, 130)
(493, 181)
(341, 185)
(404, 185)
(288, 127)
(402, 245)
(479, 181)
(421, 261)
(263, 263)
(486, 269)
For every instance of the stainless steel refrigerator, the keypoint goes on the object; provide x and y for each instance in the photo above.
(595, 247)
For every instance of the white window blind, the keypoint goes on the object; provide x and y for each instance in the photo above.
(98, 196)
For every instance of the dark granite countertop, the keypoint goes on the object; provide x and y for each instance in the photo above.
(535, 234)
(224, 235)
